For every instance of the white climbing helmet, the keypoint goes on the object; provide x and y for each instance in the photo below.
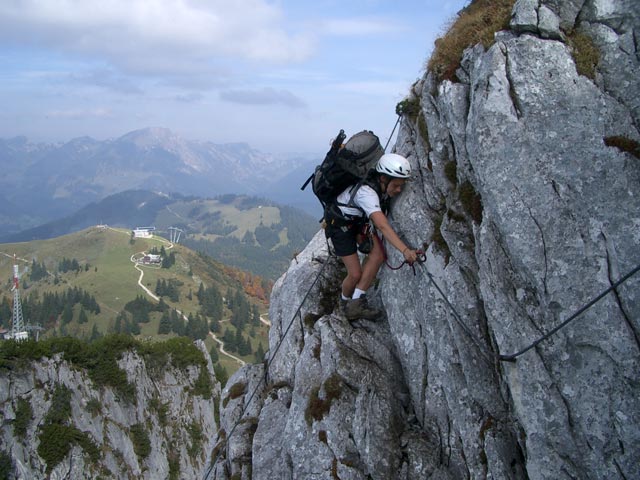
(394, 165)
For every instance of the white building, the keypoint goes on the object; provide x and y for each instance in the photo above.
(140, 232)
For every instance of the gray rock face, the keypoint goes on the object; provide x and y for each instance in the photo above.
(541, 217)
(180, 426)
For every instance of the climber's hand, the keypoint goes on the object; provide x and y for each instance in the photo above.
(410, 256)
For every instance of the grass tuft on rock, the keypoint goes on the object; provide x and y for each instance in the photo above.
(585, 53)
(476, 23)
(623, 143)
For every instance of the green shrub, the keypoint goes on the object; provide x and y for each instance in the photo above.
(196, 436)
(471, 201)
(410, 107)
(203, 386)
(424, 132)
(100, 357)
(310, 319)
(161, 410)
(330, 288)
(585, 53)
(94, 407)
(140, 439)
(179, 351)
(451, 172)
(236, 390)
(438, 240)
(106, 372)
(318, 407)
(60, 408)
(221, 374)
(623, 143)
(24, 413)
(56, 437)
(56, 440)
(477, 23)
(174, 466)
(6, 465)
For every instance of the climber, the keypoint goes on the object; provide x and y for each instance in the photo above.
(347, 224)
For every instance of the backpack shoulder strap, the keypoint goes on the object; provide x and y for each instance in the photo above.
(364, 181)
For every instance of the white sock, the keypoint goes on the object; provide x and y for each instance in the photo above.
(357, 293)
(343, 297)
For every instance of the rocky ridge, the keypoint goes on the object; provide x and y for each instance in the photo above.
(163, 433)
(528, 209)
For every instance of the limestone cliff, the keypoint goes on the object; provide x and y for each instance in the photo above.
(527, 199)
(58, 423)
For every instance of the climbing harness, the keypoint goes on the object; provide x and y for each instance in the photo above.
(298, 312)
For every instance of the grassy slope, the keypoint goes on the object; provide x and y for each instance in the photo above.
(112, 278)
(206, 221)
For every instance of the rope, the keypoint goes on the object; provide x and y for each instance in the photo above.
(488, 356)
(421, 255)
(394, 129)
(512, 357)
(298, 312)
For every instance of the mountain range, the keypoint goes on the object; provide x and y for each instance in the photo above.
(45, 181)
(251, 233)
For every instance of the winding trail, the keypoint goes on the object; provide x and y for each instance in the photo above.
(136, 264)
(16, 257)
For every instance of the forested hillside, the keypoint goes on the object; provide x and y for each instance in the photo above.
(94, 282)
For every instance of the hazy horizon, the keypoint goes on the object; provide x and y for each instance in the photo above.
(281, 76)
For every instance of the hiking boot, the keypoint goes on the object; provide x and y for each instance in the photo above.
(342, 306)
(358, 308)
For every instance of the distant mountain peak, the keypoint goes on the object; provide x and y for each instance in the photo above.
(152, 137)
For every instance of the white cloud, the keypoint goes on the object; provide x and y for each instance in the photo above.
(79, 113)
(124, 31)
(359, 26)
(375, 88)
(265, 96)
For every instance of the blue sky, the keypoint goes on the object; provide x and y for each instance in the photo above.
(283, 76)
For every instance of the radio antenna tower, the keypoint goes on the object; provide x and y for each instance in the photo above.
(18, 331)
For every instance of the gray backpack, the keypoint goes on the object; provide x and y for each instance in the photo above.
(344, 165)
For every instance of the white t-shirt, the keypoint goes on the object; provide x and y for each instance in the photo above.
(366, 198)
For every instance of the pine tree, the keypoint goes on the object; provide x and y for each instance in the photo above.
(221, 374)
(255, 315)
(192, 328)
(177, 324)
(83, 316)
(164, 326)
(214, 325)
(95, 334)
(229, 340)
(213, 353)
(67, 314)
(259, 353)
(120, 322)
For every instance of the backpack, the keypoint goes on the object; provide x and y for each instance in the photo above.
(344, 165)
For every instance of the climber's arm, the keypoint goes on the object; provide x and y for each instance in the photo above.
(380, 221)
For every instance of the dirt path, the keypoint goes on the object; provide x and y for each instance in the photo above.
(136, 265)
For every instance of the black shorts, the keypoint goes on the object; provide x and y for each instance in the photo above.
(344, 239)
